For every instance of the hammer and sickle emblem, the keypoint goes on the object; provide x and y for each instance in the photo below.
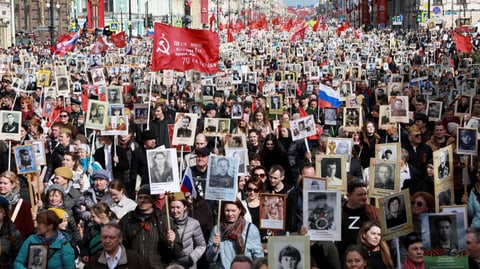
(163, 45)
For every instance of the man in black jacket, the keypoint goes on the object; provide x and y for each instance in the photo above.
(111, 158)
(146, 232)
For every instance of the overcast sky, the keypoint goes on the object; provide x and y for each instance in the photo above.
(299, 2)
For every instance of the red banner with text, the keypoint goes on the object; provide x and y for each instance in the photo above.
(382, 17)
(183, 49)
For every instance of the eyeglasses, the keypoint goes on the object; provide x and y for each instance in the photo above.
(63, 116)
(260, 175)
(254, 190)
(417, 203)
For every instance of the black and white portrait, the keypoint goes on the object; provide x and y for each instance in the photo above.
(114, 95)
(384, 176)
(163, 170)
(222, 178)
(37, 256)
(292, 252)
(467, 141)
(395, 211)
(332, 170)
(184, 128)
(237, 111)
(434, 110)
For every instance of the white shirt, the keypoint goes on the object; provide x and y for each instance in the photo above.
(112, 262)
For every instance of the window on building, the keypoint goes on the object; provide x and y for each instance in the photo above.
(108, 6)
(437, 2)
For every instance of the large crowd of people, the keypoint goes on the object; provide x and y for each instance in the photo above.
(86, 197)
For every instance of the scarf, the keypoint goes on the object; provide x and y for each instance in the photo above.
(12, 197)
(49, 240)
(234, 232)
(410, 265)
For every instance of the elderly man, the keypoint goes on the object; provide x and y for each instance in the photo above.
(473, 247)
(114, 254)
(146, 232)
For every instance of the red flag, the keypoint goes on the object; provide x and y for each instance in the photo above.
(119, 40)
(183, 49)
(99, 46)
(230, 36)
(342, 28)
(315, 26)
(463, 43)
(212, 19)
(357, 36)
(276, 21)
(299, 32)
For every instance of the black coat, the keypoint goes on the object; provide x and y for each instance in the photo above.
(139, 165)
(119, 169)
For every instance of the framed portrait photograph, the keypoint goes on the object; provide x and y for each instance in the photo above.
(443, 229)
(340, 146)
(434, 110)
(38, 151)
(352, 118)
(395, 89)
(302, 127)
(237, 111)
(330, 116)
(11, 122)
(443, 163)
(463, 106)
(275, 102)
(210, 126)
(272, 211)
(384, 121)
(184, 128)
(251, 77)
(467, 141)
(43, 77)
(223, 127)
(314, 183)
(380, 93)
(242, 155)
(25, 159)
(345, 90)
(222, 178)
(163, 170)
(140, 113)
(63, 85)
(332, 168)
(395, 215)
(388, 151)
(456, 209)
(116, 125)
(289, 252)
(236, 141)
(382, 175)
(474, 123)
(322, 215)
(114, 95)
(399, 109)
(96, 115)
(37, 256)
(195, 108)
(98, 77)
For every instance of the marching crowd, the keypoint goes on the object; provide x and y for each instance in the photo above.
(90, 201)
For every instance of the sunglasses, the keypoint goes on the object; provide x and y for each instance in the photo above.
(63, 116)
(417, 203)
(260, 175)
(254, 190)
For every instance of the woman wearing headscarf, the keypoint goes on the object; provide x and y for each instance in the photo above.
(235, 236)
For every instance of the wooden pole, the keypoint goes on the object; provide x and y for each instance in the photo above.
(168, 211)
(219, 215)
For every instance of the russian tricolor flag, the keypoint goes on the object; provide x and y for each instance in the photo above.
(328, 97)
(64, 45)
(187, 184)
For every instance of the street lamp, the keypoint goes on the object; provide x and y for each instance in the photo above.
(52, 25)
(121, 16)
